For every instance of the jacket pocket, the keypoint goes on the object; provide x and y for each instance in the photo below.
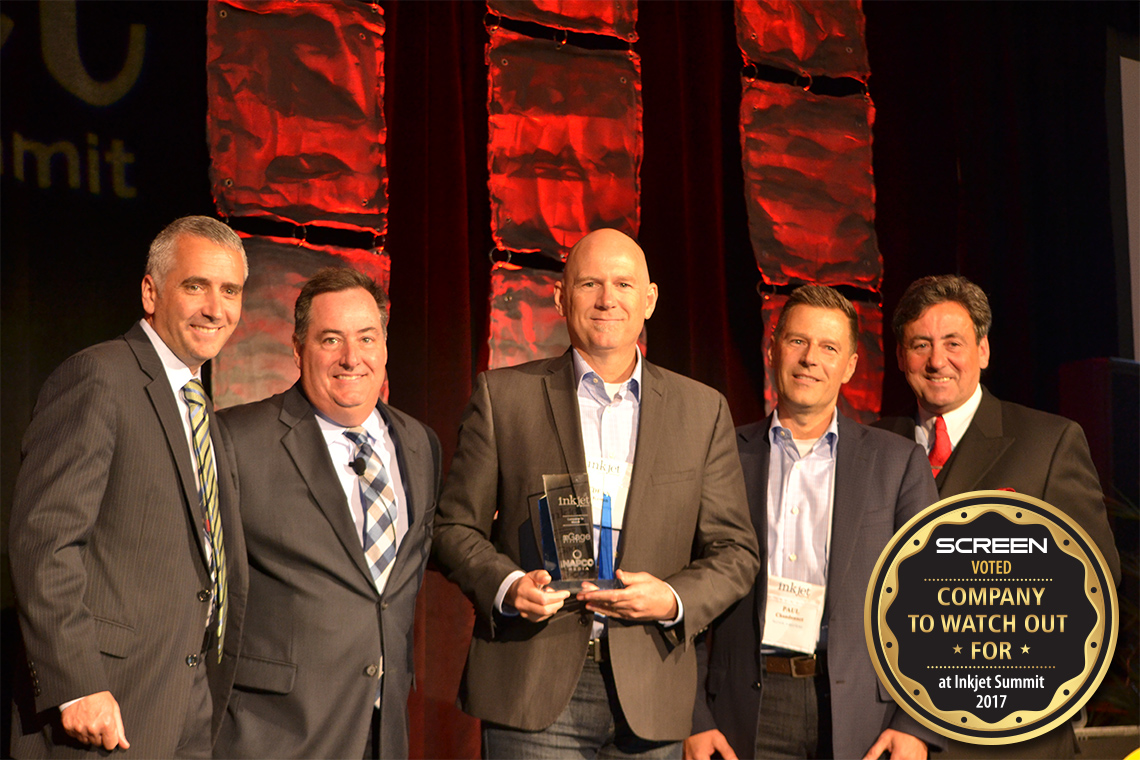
(259, 674)
(115, 639)
(673, 476)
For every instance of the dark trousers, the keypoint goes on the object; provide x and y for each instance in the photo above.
(795, 717)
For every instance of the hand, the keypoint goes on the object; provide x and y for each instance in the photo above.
(900, 746)
(644, 598)
(96, 719)
(532, 598)
(702, 746)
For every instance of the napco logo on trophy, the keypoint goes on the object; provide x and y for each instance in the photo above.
(991, 617)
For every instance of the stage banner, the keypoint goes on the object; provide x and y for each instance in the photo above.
(616, 18)
(257, 362)
(809, 187)
(296, 111)
(862, 397)
(565, 143)
(817, 38)
(524, 322)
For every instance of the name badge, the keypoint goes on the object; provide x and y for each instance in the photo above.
(793, 614)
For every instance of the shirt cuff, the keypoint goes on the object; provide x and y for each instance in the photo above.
(70, 702)
(500, 607)
(680, 610)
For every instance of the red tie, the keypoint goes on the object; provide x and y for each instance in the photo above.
(941, 451)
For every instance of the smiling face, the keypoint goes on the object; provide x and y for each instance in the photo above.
(606, 296)
(343, 355)
(942, 357)
(811, 358)
(198, 303)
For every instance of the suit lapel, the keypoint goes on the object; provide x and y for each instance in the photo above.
(980, 448)
(165, 405)
(562, 401)
(306, 445)
(653, 398)
(853, 468)
(755, 449)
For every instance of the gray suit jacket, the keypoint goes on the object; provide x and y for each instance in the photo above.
(880, 483)
(316, 628)
(1041, 455)
(107, 554)
(686, 522)
(1034, 453)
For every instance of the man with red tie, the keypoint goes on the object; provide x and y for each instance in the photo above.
(976, 442)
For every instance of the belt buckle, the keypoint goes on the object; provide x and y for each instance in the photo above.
(807, 661)
(594, 650)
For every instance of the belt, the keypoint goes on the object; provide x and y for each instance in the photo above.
(802, 666)
(598, 650)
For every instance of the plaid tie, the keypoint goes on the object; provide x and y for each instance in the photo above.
(941, 449)
(379, 502)
(195, 396)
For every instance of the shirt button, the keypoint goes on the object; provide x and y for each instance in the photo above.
(792, 557)
(795, 510)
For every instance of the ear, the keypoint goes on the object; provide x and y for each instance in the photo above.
(558, 294)
(900, 357)
(850, 371)
(296, 354)
(984, 352)
(650, 300)
(149, 294)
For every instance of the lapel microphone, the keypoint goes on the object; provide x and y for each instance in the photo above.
(358, 466)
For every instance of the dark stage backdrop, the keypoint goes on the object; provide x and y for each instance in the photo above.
(990, 155)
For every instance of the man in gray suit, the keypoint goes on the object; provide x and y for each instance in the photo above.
(126, 554)
(337, 493)
(977, 442)
(551, 677)
(826, 494)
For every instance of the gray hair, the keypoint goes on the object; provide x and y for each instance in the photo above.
(160, 259)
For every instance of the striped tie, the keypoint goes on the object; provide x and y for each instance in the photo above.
(195, 396)
(379, 503)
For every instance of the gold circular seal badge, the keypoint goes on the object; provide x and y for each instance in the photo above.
(991, 617)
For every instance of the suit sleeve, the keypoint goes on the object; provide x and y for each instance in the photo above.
(1072, 484)
(916, 492)
(467, 506)
(67, 454)
(726, 555)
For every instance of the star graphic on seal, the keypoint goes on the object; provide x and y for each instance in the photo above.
(1025, 649)
(957, 650)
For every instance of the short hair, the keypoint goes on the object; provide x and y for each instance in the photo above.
(160, 258)
(925, 292)
(334, 280)
(821, 297)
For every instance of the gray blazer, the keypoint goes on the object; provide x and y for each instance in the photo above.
(107, 554)
(880, 483)
(316, 628)
(686, 522)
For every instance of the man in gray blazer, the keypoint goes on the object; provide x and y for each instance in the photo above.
(337, 493)
(126, 554)
(549, 676)
(942, 326)
(826, 494)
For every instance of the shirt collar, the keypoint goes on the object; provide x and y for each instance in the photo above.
(957, 420)
(334, 431)
(582, 371)
(176, 370)
(830, 437)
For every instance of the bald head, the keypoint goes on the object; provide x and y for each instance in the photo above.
(606, 296)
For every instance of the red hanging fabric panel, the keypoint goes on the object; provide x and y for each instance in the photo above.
(809, 186)
(565, 143)
(862, 397)
(820, 38)
(257, 361)
(617, 18)
(296, 111)
(525, 325)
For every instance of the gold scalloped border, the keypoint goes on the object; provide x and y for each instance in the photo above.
(1062, 527)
